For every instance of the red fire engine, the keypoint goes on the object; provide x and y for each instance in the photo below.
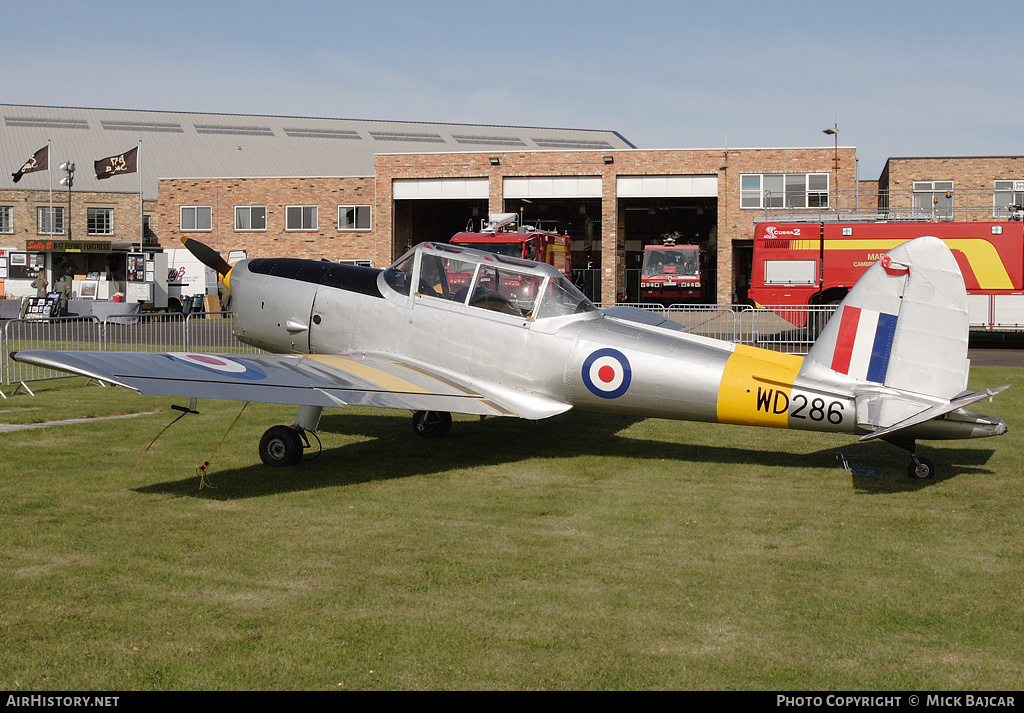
(671, 273)
(798, 264)
(499, 235)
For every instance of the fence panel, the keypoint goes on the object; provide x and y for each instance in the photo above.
(144, 333)
(714, 321)
(791, 329)
(60, 333)
(212, 332)
(207, 331)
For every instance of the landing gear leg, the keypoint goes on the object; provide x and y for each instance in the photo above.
(431, 424)
(308, 418)
(919, 468)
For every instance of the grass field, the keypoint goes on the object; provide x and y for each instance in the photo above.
(582, 552)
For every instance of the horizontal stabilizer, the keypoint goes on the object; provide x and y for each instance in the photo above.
(934, 412)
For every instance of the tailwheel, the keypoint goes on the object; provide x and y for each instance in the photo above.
(431, 424)
(921, 468)
(281, 446)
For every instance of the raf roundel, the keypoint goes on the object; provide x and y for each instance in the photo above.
(220, 365)
(606, 373)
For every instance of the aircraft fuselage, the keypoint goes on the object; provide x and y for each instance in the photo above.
(591, 361)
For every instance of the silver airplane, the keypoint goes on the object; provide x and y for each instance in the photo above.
(451, 329)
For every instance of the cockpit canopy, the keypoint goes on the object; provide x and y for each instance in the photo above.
(509, 285)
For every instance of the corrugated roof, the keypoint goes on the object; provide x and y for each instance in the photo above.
(191, 145)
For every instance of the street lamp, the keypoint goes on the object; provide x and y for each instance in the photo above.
(834, 132)
(69, 180)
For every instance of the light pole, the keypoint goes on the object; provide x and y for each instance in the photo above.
(69, 180)
(834, 132)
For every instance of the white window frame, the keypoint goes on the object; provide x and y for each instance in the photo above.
(302, 218)
(6, 219)
(194, 209)
(247, 209)
(934, 194)
(807, 198)
(1006, 193)
(342, 209)
(90, 221)
(56, 217)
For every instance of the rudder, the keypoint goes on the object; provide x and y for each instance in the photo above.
(904, 325)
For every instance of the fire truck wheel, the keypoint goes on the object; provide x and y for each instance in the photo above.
(921, 468)
(432, 424)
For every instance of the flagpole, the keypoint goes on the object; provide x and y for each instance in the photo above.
(142, 229)
(49, 179)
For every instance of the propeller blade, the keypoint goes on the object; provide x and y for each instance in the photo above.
(207, 255)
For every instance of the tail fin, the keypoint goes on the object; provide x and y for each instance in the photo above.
(904, 325)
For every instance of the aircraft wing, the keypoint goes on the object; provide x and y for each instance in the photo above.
(377, 380)
(643, 316)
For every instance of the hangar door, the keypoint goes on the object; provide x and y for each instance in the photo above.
(683, 208)
(562, 204)
(435, 209)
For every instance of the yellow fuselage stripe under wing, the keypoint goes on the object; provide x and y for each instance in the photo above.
(386, 381)
(757, 386)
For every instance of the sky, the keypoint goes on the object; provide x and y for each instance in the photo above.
(899, 78)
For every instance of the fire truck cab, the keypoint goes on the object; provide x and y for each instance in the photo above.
(501, 234)
(671, 273)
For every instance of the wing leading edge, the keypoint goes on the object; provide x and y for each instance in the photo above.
(376, 380)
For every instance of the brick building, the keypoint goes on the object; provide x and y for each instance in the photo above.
(962, 188)
(358, 190)
(612, 202)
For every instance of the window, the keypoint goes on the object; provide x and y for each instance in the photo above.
(562, 298)
(934, 198)
(784, 190)
(49, 223)
(6, 224)
(353, 217)
(505, 291)
(300, 217)
(250, 217)
(1006, 194)
(100, 221)
(399, 275)
(196, 217)
(750, 191)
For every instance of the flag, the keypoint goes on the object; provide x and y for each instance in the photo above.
(128, 162)
(40, 161)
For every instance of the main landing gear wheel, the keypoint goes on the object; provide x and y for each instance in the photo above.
(281, 446)
(431, 424)
(921, 468)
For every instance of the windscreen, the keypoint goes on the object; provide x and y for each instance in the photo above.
(671, 262)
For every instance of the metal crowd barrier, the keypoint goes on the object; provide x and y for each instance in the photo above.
(785, 329)
(791, 330)
(200, 331)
